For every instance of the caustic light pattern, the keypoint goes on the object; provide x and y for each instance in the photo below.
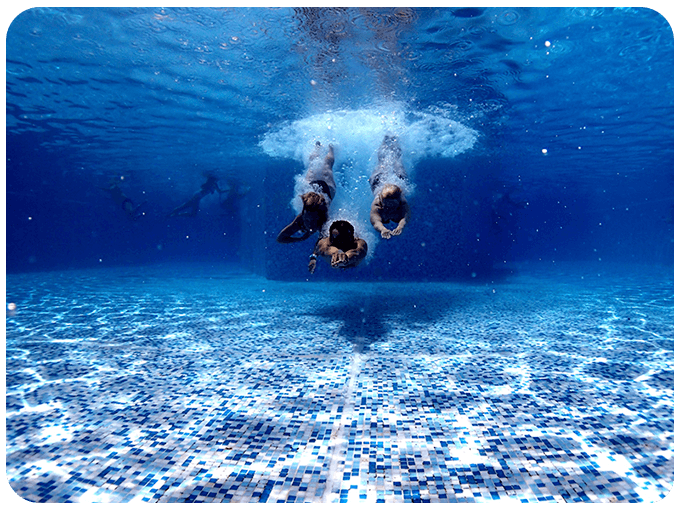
(141, 387)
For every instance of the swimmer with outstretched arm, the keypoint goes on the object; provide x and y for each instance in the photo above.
(315, 203)
(341, 249)
(389, 204)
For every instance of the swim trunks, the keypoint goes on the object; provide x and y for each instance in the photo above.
(325, 188)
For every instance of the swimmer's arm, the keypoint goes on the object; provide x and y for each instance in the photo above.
(376, 219)
(404, 220)
(286, 235)
(325, 250)
(322, 249)
(357, 254)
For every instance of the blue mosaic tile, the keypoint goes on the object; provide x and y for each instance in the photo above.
(147, 387)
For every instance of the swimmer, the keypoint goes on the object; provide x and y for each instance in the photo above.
(389, 204)
(340, 249)
(230, 196)
(190, 207)
(125, 203)
(315, 203)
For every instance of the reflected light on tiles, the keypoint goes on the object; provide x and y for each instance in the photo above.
(54, 434)
(91, 496)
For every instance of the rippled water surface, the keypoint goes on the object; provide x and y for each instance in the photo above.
(121, 81)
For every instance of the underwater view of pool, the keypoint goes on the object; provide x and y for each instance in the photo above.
(185, 321)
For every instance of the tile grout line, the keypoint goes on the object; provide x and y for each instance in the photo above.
(339, 435)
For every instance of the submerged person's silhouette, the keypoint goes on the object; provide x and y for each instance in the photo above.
(123, 201)
(230, 196)
(389, 204)
(190, 207)
(341, 249)
(315, 203)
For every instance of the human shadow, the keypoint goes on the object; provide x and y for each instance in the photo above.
(369, 314)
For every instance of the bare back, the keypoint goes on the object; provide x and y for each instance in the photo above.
(320, 169)
(389, 168)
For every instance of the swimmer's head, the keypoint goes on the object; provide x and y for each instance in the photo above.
(311, 200)
(314, 210)
(391, 191)
(390, 195)
(341, 235)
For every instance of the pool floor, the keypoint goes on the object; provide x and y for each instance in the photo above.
(175, 384)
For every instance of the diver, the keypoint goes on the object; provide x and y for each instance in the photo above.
(316, 202)
(389, 204)
(340, 249)
(125, 203)
(190, 207)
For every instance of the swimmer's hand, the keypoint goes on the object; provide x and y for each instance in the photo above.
(312, 265)
(386, 234)
(339, 259)
(397, 231)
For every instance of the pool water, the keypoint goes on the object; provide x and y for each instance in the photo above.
(515, 343)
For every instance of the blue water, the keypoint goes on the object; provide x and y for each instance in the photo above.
(153, 98)
(515, 343)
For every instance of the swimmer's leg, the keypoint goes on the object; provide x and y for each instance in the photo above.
(316, 152)
(188, 208)
(389, 145)
(330, 157)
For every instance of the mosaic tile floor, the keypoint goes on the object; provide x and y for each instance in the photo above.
(161, 385)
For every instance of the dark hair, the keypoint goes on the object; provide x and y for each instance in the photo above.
(343, 227)
(345, 238)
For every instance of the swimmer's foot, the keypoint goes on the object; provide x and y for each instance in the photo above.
(316, 151)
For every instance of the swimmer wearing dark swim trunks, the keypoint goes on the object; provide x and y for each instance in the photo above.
(315, 203)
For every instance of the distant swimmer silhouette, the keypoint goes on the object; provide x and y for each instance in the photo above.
(125, 203)
(389, 204)
(229, 197)
(340, 249)
(316, 201)
(190, 207)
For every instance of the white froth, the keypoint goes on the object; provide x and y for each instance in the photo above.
(356, 136)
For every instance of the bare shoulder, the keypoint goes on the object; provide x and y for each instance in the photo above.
(323, 244)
